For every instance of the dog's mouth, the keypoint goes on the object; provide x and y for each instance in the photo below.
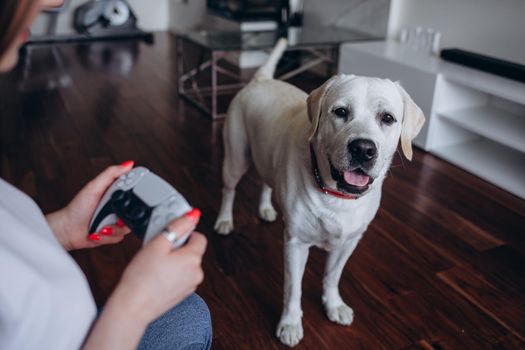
(354, 181)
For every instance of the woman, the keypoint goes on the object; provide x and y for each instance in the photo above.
(45, 301)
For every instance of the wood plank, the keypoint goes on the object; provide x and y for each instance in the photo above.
(507, 310)
(434, 212)
(468, 204)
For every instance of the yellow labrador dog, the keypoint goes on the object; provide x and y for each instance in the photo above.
(326, 156)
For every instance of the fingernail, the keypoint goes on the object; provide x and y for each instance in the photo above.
(94, 237)
(128, 164)
(120, 223)
(194, 214)
(106, 231)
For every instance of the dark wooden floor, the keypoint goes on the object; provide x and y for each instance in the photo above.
(441, 267)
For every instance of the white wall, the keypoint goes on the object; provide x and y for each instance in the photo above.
(153, 15)
(491, 27)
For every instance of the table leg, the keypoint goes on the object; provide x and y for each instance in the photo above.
(180, 65)
(334, 55)
(214, 57)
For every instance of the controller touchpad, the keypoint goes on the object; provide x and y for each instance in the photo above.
(153, 190)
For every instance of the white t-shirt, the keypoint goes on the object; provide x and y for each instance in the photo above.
(45, 301)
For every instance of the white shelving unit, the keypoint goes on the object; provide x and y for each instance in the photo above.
(475, 120)
(495, 124)
(490, 161)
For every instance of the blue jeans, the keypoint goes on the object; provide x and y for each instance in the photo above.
(187, 326)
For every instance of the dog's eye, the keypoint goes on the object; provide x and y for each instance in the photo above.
(341, 112)
(388, 119)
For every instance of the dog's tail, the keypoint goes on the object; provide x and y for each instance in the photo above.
(268, 69)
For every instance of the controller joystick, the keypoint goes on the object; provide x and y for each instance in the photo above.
(137, 213)
(135, 198)
(120, 198)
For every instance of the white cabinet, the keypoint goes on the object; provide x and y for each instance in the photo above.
(475, 120)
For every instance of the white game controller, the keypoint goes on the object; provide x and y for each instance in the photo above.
(144, 202)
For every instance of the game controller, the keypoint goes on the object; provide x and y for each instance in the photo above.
(144, 202)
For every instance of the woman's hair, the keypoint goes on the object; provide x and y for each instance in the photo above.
(13, 16)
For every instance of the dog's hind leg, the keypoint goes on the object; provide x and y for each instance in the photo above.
(236, 163)
(266, 209)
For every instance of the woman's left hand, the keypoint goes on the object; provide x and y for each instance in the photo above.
(71, 224)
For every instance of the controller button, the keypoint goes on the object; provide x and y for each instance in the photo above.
(120, 198)
(118, 195)
(157, 220)
(120, 183)
(169, 217)
(137, 213)
(131, 174)
(128, 182)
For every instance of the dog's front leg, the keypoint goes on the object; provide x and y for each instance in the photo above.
(290, 328)
(336, 309)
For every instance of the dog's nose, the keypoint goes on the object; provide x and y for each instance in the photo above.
(362, 150)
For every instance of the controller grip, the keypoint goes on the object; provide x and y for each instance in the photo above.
(106, 210)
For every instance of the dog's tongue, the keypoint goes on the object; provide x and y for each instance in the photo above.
(355, 179)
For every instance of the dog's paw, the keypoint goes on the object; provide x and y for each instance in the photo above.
(268, 214)
(223, 227)
(341, 314)
(290, 334)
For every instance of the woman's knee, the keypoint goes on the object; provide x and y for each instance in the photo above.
(186, 326)
(198, 315)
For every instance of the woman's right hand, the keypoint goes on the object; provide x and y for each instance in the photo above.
(159, 277)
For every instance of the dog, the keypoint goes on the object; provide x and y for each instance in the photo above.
(325, 155)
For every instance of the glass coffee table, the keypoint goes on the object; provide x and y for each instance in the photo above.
(208, 74)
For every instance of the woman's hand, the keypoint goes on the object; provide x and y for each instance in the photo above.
(157, 279)
(71, 223)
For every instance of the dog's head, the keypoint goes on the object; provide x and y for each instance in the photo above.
(356, 123)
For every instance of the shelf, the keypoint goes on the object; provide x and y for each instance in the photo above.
(491, 161)
(482, 81)
(492, 123)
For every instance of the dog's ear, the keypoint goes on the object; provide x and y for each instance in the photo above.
(413, 120)
(314, 103)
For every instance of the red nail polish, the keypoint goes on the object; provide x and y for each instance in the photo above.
(120, 223)
(128, 164)
(94, 237)
(194, 214)
(106, 231)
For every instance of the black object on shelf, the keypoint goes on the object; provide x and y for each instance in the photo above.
(488, 64)
(248, 10)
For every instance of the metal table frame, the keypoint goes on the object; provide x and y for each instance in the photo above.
(205, 97)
